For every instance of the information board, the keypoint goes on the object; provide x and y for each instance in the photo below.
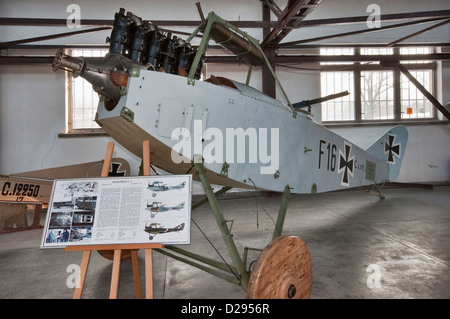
(119, 210)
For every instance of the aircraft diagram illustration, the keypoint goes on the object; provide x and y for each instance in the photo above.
(154, 229)
(158, 207)
(158, 186)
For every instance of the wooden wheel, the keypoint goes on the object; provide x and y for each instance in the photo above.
(282, 271)
(109, 254)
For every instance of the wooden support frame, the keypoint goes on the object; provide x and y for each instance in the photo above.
(118, 249)
(36, 223)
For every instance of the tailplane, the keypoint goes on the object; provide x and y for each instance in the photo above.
(390, 147)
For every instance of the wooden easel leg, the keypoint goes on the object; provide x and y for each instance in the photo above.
(148, 252)
(108, 156)
(82, 277)
(146, 157)
(136, 276)
(115, 274)
(148, 273)
(37, 216)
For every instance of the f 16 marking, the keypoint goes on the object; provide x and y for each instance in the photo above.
(331, 155)
(328, 160)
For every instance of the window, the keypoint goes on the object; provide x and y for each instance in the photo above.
(377, 93)
(414, 104)
(81, 99)
(341, 109)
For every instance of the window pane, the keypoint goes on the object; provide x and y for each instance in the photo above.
(422, 50)
(377, 95)
(84, 99)
(336, 51)
(376, 51)
(341, 109)
(413, 103)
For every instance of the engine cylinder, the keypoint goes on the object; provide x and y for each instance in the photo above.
(119, 39)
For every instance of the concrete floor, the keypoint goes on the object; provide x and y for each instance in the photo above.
(355, 239)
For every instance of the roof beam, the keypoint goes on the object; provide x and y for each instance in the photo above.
(292, 15)
(240, 24)
(4, 60)
(109, 23)
(296, 59)
(366, 30)
(384, 18)
(4, 45)
(273, 7)
(418, 32)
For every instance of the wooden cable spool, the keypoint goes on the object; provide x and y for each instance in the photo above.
(282, 271)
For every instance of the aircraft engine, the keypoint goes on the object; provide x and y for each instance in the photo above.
(133, 44)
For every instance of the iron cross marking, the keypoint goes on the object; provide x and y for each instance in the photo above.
(115, 170)
(392, 150)
(346, 163)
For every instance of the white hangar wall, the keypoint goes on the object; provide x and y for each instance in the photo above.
(32, 108)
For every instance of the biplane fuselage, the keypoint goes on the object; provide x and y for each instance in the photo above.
(244, 138)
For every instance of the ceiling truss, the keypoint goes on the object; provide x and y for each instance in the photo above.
(289, 18)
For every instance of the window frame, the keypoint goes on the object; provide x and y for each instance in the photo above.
(357, 68)
(69, 105)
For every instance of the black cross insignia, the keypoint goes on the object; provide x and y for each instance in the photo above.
(393, 150)
(346, 163)
(115, 170)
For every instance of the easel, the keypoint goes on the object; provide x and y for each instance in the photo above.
(120, 248)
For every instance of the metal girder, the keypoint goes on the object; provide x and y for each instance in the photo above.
(384, 17)
(338, 58)
(292, 15)
(21, 60)
(366, 45)
(4, 45)
(108, 23)
(273, 7)
(15, 60)
(437, 25)
(240, 24)
(365, 30)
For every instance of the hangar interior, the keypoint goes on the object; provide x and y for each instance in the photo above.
(361, 246)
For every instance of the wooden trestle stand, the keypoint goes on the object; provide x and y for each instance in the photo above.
(120, 250)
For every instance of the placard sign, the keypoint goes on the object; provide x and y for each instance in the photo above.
(119, 210)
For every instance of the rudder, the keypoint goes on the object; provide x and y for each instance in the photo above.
(390, 147)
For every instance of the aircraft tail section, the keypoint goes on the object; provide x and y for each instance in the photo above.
(390, 147)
